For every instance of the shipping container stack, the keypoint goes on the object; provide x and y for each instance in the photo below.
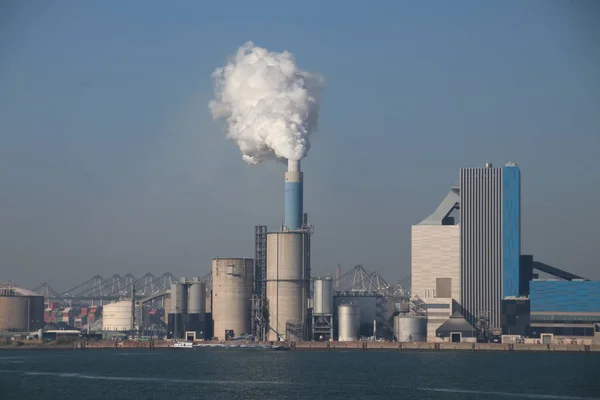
(76, 317)
(79, 321)
(67, 316)
(47, 314)
(154, 316)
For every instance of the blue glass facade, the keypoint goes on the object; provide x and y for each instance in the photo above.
(511, 230)
(565, 296)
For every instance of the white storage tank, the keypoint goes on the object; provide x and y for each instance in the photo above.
(288, 279)
(368, 309)
(232, 283)
(323, 296)
(348, 322)
(196, 297)
(117, 316)
(410, 328)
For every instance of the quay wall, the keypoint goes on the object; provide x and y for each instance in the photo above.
(324, 346)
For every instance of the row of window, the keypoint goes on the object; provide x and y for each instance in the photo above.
(433, 305)
(566, 318)
(562, 331)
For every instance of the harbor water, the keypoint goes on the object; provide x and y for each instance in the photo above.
(249, 374)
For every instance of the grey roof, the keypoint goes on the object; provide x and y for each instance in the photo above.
(456, 323)
(450, 202)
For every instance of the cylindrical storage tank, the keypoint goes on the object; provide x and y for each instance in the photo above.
(117, 316)
(196, 298)
(21, 313)
(232, 280)
(179, 297)
(369, 310)
(287, 285)
(348, 322)
(173, 299)
(182, 298)
(410, 328)
(323, 297)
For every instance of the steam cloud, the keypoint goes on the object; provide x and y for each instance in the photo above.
(271, 107)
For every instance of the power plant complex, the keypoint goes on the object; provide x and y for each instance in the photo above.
(469, 282)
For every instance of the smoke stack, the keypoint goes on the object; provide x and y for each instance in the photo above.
(293, 196)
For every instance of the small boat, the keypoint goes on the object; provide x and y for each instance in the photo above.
(183, 345)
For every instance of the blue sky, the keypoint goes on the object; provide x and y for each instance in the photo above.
(111, 163)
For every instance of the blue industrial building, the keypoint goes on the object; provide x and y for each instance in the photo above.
(565, 296)
(565, 308)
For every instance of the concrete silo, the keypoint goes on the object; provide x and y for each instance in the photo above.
(288, 277)
(196, 297)
(322, 315)
(20, 310)
(232, 284)
(179, 297)
(187, 316)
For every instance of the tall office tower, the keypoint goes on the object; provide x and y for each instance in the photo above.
(490, 201)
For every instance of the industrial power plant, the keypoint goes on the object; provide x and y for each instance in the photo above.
(274, 298)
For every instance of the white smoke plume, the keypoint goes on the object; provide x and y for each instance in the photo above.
(271, 107)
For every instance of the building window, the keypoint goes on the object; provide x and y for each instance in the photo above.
(432, 305)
